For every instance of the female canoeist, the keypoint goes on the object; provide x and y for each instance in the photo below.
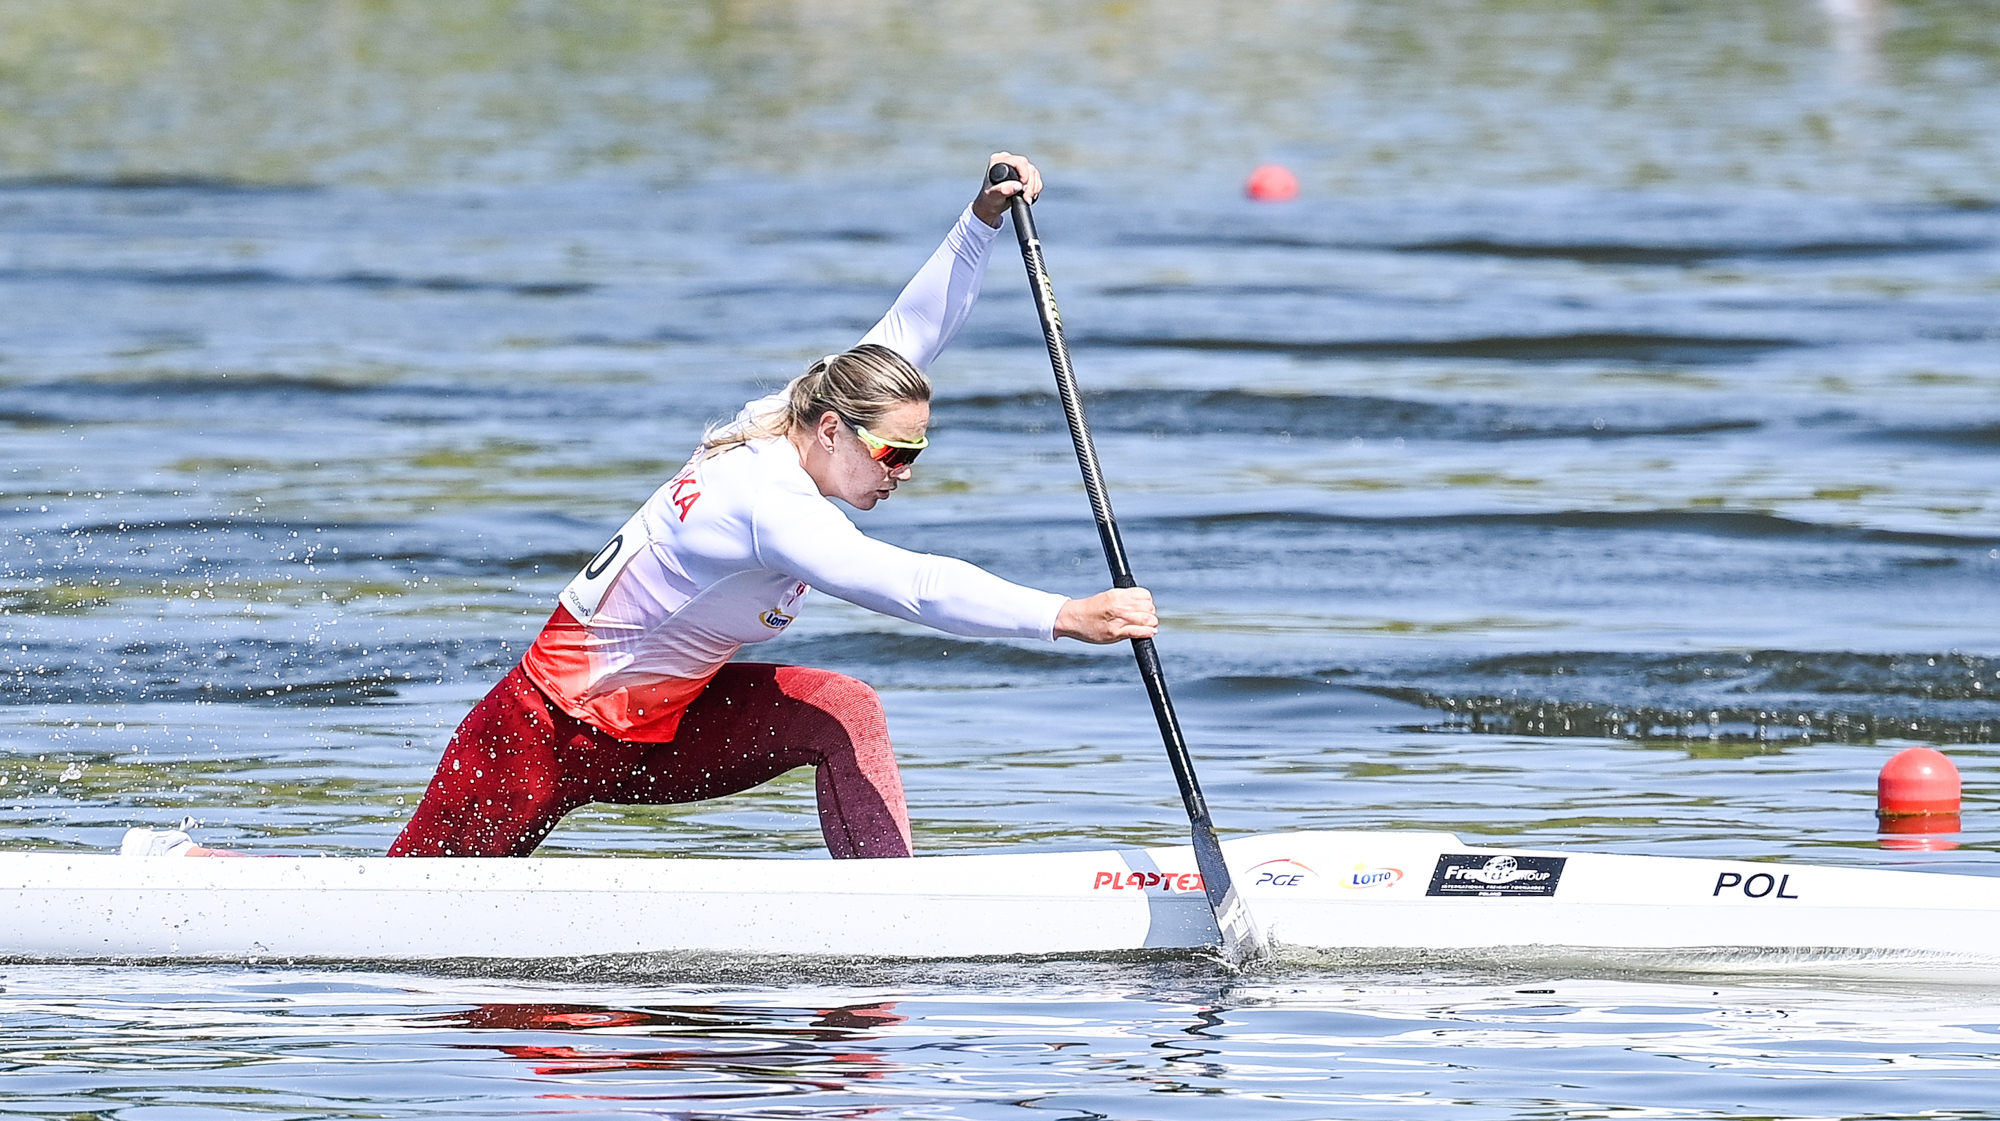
(629, 695)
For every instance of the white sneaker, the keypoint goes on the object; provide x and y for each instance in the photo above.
(151, 842)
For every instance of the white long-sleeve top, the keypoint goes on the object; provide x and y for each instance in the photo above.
(723, 554)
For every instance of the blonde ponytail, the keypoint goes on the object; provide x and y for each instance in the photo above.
(860, 385)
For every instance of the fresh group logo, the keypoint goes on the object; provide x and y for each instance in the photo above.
(1481, 875)
(1362, 877)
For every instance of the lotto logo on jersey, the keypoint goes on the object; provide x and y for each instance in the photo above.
(776, 620)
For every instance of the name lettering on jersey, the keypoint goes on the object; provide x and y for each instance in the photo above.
(686, 490)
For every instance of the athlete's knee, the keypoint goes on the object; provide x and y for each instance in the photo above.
(851, 703)
(854, 703)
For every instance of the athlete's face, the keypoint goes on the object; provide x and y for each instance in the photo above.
(845, 469)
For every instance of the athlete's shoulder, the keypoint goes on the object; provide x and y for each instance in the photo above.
(772, 464)
(786, 505)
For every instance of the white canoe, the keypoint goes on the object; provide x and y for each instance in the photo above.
(1336, 891)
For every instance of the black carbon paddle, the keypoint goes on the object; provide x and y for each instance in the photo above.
(1242, 939)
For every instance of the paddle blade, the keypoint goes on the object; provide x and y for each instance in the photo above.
(1243, 940)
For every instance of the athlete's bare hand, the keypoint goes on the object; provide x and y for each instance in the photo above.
(1112, 616)
(995, 198)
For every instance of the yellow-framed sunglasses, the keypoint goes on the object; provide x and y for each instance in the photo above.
(889, 453)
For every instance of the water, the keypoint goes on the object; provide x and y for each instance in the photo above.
(1071, 1040)
(1604, 452)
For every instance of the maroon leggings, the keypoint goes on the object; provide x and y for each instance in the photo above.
(517, 763)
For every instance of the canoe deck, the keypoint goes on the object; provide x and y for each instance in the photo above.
(1322, 890)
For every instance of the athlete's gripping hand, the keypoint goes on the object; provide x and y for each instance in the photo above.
(1112, 616)
(995, 198)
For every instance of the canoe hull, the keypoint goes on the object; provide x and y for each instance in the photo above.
(1332, 891)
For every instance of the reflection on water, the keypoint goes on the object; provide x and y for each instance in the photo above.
(1604, 451)
(1855, 28)
(831, 1025)
(1383, 1044)
(746, 1044)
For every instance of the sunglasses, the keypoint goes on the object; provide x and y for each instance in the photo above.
(889, 453)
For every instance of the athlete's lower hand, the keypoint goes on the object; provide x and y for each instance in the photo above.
(995, 198)
(1112, 616)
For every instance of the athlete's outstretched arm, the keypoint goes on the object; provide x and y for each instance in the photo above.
(933, 306)
(802, 535)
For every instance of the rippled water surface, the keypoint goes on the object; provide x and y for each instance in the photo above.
(1604, 451)
(1071, 1040)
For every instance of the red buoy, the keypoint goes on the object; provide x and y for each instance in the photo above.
(1918, 782)
(1916, 801)
(1272, 183)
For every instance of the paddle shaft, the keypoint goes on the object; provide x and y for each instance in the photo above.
(1240, 935)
